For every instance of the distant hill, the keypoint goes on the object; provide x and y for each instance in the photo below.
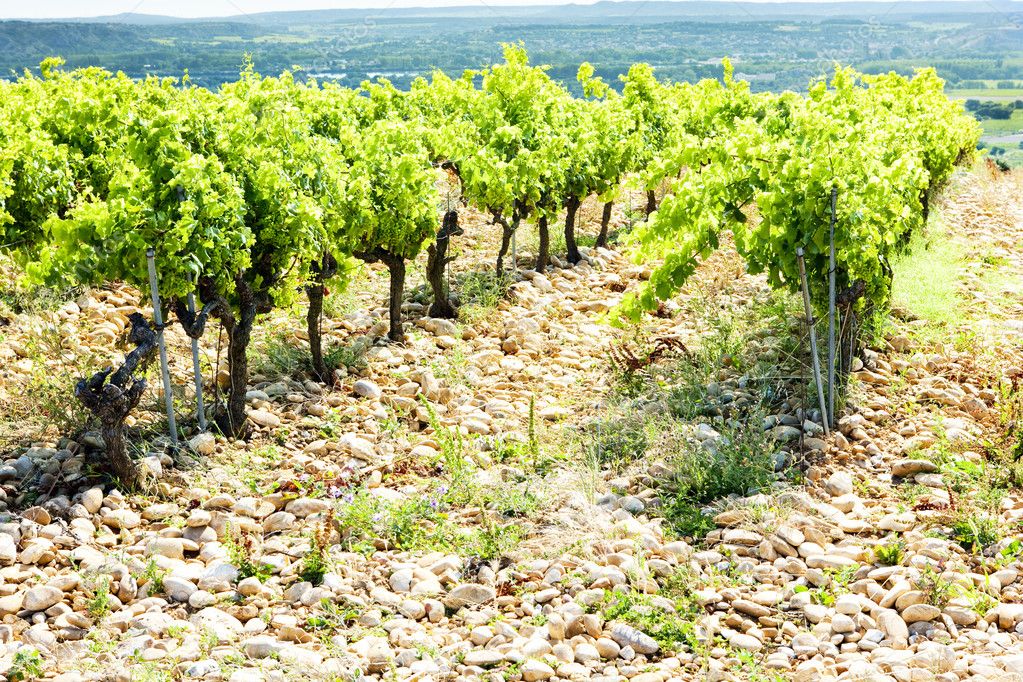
(774, 46)
(131, 18)
(607, 10)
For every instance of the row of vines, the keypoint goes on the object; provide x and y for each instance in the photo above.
(266, 188)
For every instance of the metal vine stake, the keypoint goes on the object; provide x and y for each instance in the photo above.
(813, 341)
(164, 368)
(830, 416)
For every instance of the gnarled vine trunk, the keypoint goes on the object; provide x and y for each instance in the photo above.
(571, 210)
(322, 271)
(238, 323)
(111, 396)
(543, 251)
(651, 201)
(436, 265)
(396, 267)
(194, 323)
(850, 327)
(605, 222)
(507, 230)
(231, 419)
(314, 292)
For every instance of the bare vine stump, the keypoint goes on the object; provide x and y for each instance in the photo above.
(111, 396)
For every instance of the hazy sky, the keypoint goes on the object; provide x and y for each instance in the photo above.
(20, 9)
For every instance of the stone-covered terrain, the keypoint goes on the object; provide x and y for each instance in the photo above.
(510, 496)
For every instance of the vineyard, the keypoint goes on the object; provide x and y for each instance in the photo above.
(422, 418)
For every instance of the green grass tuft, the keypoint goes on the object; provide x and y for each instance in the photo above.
(926, 280)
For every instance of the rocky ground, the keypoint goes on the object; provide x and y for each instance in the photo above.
(451, 509)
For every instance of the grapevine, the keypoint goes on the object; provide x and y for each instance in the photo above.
(269, 186)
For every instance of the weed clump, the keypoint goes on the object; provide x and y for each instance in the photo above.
(669, 617)
(737, 463)
(670, 630)
(240, 550)
(280, 356)
(99, 601)
(975, 532)
(937, 590)
(333, 616)
(350, 356)
(480, 293)
(891, 553)
(153, 577)
(416, 524)
(46, 402)
(618, 441)
(315, 563)
(27, 665)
